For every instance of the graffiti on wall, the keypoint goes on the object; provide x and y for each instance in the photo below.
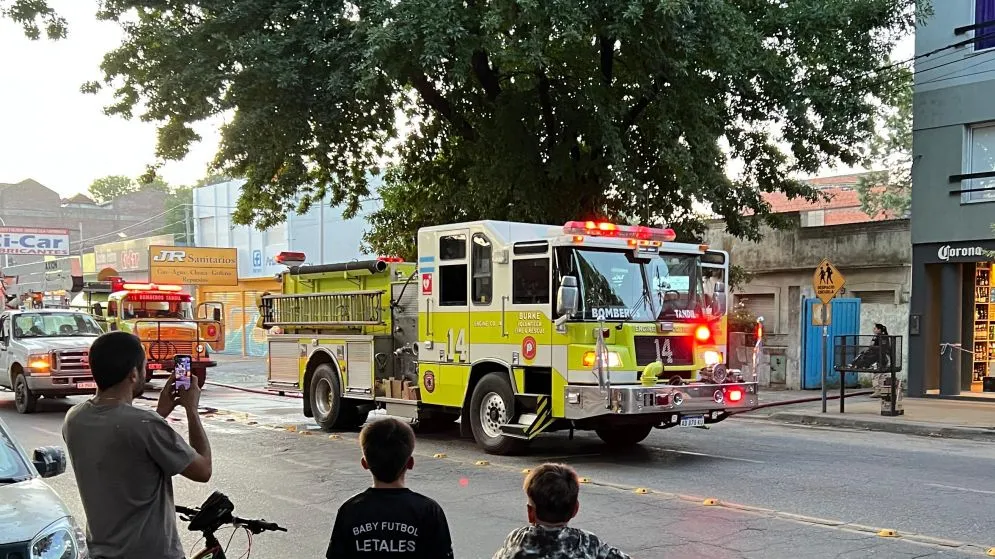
(241, 315)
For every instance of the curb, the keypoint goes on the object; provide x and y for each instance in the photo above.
(881, 425)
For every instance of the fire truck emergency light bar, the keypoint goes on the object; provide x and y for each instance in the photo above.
(637, 234)
(150, 287)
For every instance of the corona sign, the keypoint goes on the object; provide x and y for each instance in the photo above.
(32, 240)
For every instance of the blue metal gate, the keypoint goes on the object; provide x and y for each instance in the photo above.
(845, 322)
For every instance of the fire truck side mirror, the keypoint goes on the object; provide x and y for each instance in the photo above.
(721, 300)
(567, 296)
(217, 314)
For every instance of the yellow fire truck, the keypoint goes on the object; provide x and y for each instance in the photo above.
(163, 317)
(516, 329)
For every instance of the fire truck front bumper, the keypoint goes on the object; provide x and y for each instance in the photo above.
(709, 400)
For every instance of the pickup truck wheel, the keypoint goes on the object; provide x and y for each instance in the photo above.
(623, 436)
(492, 405)
(24, 400)
(331, 411)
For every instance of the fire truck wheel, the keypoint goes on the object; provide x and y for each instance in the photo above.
(331, 412)
(492, 405)
(24, 400)
(621, 436)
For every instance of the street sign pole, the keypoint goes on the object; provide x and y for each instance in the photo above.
(825, 356)
(827, 281)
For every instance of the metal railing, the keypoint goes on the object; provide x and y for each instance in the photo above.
(871, 354)
(354, 308)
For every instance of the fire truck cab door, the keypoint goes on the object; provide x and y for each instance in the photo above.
(444, 321)
(528, 308)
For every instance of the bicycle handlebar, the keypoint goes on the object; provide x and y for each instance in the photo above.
(254, 526)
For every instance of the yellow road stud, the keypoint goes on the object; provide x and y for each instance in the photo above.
(482, 463)
(888, 533)
(439, 455)
(710, 502)
(641, 491)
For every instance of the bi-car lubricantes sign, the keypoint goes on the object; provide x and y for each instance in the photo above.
(193, 265)
(32, 240)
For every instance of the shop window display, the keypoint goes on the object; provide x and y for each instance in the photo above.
(984, 328)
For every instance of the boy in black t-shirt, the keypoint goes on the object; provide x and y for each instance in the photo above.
(389, 520)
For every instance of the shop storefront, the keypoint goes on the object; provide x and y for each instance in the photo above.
(241, 335)
(952, 320)
(126, 259)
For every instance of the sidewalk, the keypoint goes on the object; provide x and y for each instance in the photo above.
(923, 416)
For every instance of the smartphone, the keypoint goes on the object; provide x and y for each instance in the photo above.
(182, 371)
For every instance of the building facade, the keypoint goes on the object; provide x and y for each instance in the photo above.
(322, 234)
(875, 259)
(952, 315)
(32, 204)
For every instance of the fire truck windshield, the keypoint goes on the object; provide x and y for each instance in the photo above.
(676, 285)
(55, 325)
(143, 306)
(614, 286)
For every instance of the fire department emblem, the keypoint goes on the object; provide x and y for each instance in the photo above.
(429, 380)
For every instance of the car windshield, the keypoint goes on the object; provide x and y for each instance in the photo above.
(12, 465)
(613, 286)
(676, 285)
(54, 325)
(135, 309)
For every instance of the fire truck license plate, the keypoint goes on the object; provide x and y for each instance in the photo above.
(154, 366)
(86, 385)
(693, 421)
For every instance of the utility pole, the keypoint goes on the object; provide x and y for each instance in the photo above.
(186, 225)
(6, 257)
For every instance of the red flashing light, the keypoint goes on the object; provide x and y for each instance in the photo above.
(390, 259)
(760, 331)
(291, 258)
(212, 331)
(702, 333)
(663, 399)
(643, 236)
(734, 395)
(117, 283)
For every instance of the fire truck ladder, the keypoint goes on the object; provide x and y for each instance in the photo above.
(352, 308)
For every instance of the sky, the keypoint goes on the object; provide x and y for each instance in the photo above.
(58, 136)
(52, 133)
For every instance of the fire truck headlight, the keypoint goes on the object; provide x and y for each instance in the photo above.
(612, 359)
(712, 358)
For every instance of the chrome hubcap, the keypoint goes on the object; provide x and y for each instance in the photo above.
(323, 397)
(493, 414)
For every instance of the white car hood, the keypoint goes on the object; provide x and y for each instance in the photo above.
(42, 345)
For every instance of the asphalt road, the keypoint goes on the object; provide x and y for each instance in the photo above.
(931, 487)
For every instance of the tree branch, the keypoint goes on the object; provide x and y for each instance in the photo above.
(637, 109)
(487, 76)
(607, 58)
(434, 99)
(546, 104)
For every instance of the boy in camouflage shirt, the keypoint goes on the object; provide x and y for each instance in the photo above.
(552, 491)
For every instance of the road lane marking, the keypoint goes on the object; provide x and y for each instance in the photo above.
(965, 489)
(46, 431)
(706, 455)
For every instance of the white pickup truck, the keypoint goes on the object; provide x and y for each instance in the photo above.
(45, 352)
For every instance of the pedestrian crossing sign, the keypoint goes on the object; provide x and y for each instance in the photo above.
(827, 281)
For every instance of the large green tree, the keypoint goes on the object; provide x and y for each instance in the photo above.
(887, 191)
(512, 109)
